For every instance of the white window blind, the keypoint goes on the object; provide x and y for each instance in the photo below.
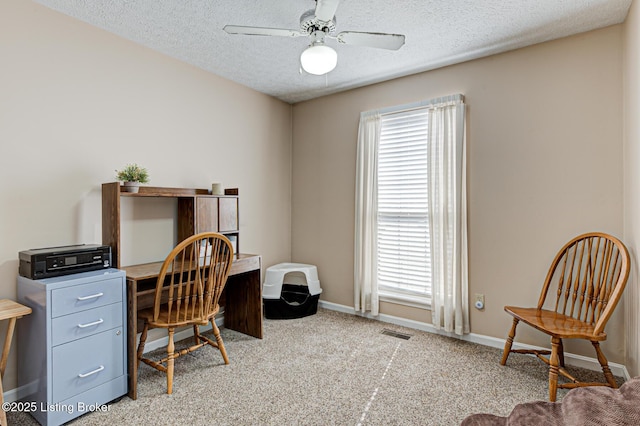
(404, 258)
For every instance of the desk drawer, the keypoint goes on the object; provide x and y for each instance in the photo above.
(78, 298)
(86, 363)
(86, 323)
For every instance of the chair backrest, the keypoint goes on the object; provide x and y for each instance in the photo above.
(586, 279)
(192, 278)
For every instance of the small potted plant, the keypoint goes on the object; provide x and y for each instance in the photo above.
(132, 176)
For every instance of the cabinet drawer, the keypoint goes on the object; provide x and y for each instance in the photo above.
(78, 298)
(86, 323)
(86, 363)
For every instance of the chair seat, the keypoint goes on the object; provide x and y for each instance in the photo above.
(163, 317)
(555, 324)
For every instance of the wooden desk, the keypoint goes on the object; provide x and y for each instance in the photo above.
(12, 311)
(242, 303)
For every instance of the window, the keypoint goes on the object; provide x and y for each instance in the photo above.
(410, 239)
(403, 241)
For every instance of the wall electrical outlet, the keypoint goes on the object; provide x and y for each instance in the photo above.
(479, 301)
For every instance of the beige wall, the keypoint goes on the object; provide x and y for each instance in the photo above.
(76, 103)
(544, 163)
(631, 86)
(545, 155)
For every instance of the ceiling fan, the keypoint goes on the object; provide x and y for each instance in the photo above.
(320, 24)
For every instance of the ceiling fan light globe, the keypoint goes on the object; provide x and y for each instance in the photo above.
(319, 59)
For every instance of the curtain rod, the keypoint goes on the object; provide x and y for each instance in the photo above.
(415, 105)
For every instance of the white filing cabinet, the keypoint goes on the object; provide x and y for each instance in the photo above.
(72, 348)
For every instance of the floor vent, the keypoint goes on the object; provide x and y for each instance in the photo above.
(397, 334)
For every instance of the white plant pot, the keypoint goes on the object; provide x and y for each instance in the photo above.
(130, 187)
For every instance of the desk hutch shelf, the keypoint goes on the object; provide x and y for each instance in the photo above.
(198, 211)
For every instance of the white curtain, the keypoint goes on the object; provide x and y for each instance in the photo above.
(366, 232)
(447, 212)
(448, 215)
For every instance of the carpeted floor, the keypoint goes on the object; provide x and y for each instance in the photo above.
(331, 369)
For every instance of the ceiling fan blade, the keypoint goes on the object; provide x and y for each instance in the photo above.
(326, 9)
(379, 40)
(237, 29)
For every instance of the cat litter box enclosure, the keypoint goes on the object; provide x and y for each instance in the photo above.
(291, 290)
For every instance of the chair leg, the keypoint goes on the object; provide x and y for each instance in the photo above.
(509, 342)
(170, 361)
(143, 339)
(216, 332)
(561, 353)
(196, 334)
(553, 369)
(605, 366)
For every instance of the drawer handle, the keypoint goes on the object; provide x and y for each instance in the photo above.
(93, 296)
(97, 370)
(100, 321)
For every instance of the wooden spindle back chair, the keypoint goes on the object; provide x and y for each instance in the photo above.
(187, 292)
(581, 290)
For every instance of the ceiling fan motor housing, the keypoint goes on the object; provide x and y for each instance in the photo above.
(310, 24)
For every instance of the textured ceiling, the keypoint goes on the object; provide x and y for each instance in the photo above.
(438, 33)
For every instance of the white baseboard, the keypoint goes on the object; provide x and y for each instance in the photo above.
(494, 342)
(20, 392)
